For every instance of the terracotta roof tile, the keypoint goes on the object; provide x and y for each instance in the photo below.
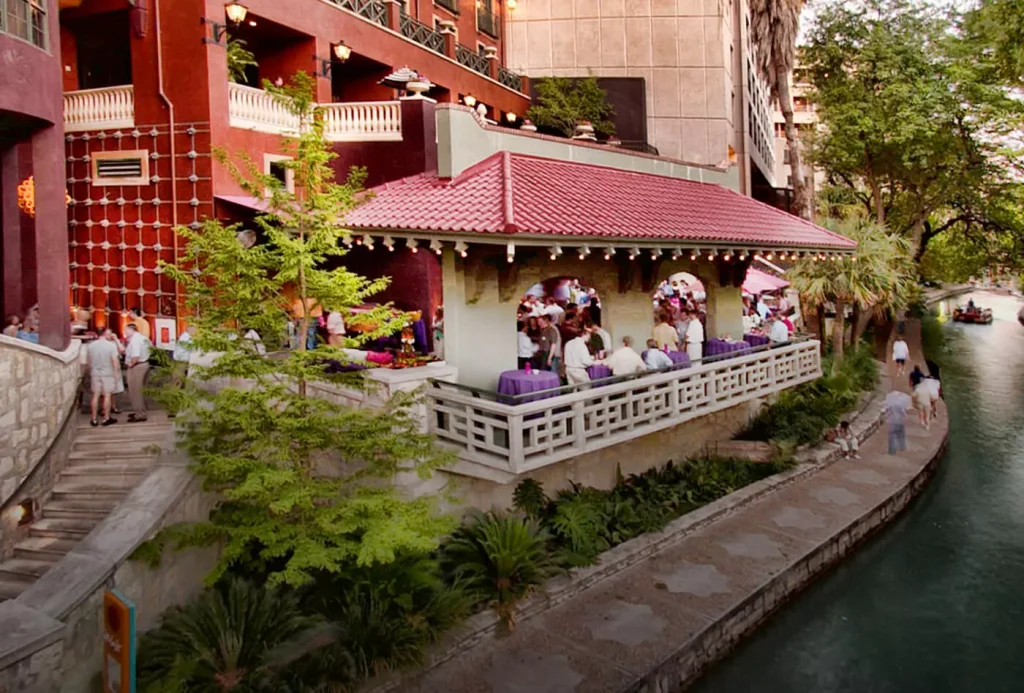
(519, 194)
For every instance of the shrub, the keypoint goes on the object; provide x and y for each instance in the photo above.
(529, 498)
(236, 639)
(501, 558)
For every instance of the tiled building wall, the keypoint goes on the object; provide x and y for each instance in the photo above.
(681, 48)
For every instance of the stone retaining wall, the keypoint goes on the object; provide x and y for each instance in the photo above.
(37, 390)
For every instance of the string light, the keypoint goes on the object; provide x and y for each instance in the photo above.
(727, 257)
(461, 248)
(675, 253)
(608, 252)
(694, 254)
(510, 252)
(436, 246)
(368, 241)
(743, 256)
(412, 244)
(769, 256)
(655, 253)
(633, 252)
(711, 255)
(584, 252)
(389, 243)
(556, 250)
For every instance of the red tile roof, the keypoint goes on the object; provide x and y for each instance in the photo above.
(514, 194)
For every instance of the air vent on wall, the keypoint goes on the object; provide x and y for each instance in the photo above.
(128, 167)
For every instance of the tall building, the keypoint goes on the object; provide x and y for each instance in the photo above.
(805, 119)
(148, 97)
(691, 59)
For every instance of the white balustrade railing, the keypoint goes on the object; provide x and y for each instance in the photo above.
(522, 437)
(259, 110)
(108, 108)
(369, 121)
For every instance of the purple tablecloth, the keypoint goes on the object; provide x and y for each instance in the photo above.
(598, 371)
(521, 382)
(419, 331)
(755, 340)
(716, 347)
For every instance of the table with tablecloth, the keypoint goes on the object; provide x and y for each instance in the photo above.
(599, 371)
(511, 383)
(717, 347)
(755, 340)
(679, 359)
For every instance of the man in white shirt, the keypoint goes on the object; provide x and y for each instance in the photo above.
(104, 370)
(576, 358)
(335, 329)
(136, 358)
(694, 337)
(900, 354)
(554, 310)
(526, 347)
(778, 333)
(655, 358)
(624, 360)
(762, 307)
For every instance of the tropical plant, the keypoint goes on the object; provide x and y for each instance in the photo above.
(774, 25)
(880, 279)
(578, 523)
(239, 59)
(263, 445)
(229, 639)
(562, 102)
(529, 498)
(501, 558)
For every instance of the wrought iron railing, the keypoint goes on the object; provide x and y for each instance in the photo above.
(421, 34)
(450, 5)
(472, 60)
(25, 19)
(488, 22)
(510, 79)
(373, 10)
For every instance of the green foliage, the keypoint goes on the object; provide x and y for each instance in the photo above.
(578, 523)
(933, 337)
(562, 102)
(304, 480)
(995, 30)
(239, 59)
(529, 498)
(915, 124)
(501, 558)
(224, 640)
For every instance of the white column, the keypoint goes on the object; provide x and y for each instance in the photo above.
(725, 311)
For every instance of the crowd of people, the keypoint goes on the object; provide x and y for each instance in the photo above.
(564, 339)
(117, 365)
(27, 329)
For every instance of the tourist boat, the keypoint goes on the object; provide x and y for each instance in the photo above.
(972, 314)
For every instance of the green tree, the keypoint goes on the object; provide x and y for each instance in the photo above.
(306, 482)
(913, 125)
(995, 30)
(774, 27)
(881, 279)
(562, 102)
(239, 59)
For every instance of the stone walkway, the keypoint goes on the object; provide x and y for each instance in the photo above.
(652, 626)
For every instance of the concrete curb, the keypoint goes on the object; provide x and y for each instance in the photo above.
(864, 421)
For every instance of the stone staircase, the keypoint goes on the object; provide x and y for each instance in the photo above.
(104, 464)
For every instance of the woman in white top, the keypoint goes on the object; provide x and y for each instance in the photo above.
(900, 354)
(335, 329)
(695, 338)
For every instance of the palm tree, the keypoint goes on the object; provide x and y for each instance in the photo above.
(774, 25)
(879, 279)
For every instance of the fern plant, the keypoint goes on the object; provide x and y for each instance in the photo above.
(501, 558)
(529, 498)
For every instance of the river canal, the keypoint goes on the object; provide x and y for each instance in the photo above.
(934, 604)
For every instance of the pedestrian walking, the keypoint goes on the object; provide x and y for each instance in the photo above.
(900, 354)
(896, 405)
(136, 356)
(104, 371)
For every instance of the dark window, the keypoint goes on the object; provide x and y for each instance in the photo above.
(278, 170)
(104, 50)
(785, 156)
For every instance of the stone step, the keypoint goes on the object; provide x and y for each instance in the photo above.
(75, 509)
(87, 455)
(99, 485)
(23, 570)
(62, 528)
(126, 447)
(11, 589)
(107, 469)
(123, 430)
(43, 548)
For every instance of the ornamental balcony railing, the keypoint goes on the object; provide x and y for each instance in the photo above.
(549, 427)
(421, 34)
(373, 10)
(487, 22)
(510, 79)
(471, 59)
(369, 121)
(109, 108)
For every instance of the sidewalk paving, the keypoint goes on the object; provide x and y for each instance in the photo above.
(613, 635)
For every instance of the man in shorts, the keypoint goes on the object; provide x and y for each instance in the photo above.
(900, 354)
(104, 370)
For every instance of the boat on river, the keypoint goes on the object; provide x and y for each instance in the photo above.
(973, 314)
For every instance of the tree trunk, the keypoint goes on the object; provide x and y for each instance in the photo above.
(839, 333)
(916, 236)
(876, 193)
(821, 323)
(854, 322)
(801, 198)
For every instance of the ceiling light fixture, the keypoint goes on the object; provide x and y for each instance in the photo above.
(510, 252)
(436, 246)
(461, 248)
(412, 244)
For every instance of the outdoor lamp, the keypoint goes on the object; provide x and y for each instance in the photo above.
(655, 253)
(389, 243)
(584, 251)
(236, 11)
(510, 251)
(341, 51)
(411, 244)
(469, 100)
(743, 256)
(608, 252)
(511, 5)
(694, 254)
(727, 257)
(436, 246)
(368, 241)
(461, 248)
(711, 255)
(511, 117)
(675, 253)
(556, 250)
(769, 256)
(633, 252)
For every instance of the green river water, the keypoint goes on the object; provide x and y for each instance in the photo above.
(935, 603)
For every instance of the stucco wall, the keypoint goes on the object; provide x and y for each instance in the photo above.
(37, 387)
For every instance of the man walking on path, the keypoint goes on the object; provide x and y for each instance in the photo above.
(900, 354)
(104, 370)
(896, 405)
(136, 356)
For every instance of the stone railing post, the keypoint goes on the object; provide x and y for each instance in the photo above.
(578, 423)
(491, 53)
(451, 40)
(394, 9)
(515, 443)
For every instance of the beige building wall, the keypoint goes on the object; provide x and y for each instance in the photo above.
(687, 52)
(805, 118)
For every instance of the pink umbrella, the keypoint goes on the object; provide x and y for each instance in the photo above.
(755, 283)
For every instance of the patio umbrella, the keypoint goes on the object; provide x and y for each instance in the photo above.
(758, 282)
(401, 77)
